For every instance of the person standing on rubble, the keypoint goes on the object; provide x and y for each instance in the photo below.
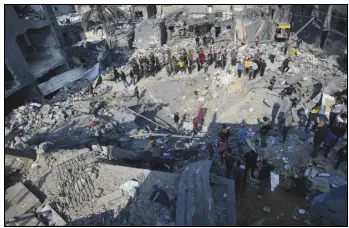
(176, 119)
(257, 40)
(319, 137)
(242, 133)
(233, 55)
(250, 164)
(284, 65)
(202, 58)
(224, 59)
(254, 69)
(272, 83)
(123, 78)
(116, 75)
(181, 65)
(228, 161)
(210, 150)
(132, 76)
(174, 65)
(342, 155)
(157, 65)
(264, 177)
(224, 133)
(145, 68)
(336, 109)
(222, 146)
(288, 120)
(185, 57)
(240, 69)
(266, 126)
(238, 174)
(136, 93)
(197, 40)
(263, 65)
(190, 61)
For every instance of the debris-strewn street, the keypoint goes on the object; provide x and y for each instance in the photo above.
(155, 120)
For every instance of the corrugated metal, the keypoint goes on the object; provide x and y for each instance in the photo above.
(61, 80)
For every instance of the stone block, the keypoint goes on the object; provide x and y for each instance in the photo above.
(19, 200)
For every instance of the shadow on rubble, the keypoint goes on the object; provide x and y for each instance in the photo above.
(151, 202)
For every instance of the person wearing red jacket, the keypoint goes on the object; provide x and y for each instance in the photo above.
(202, 57)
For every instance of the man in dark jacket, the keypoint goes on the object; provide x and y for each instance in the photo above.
(123, 78)
(250, 163)
(176, 119)
(228, 159)
(319, 137)
(136, 93)
(264, 177)
(342, 155)
(238, 173)
(116, 75)
(329, 142)
(197, 40)
(210, 150)
(272, 83)
(284, 65)
(266, 126)
(262, 67)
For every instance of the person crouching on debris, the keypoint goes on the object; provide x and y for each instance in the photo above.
(264, 177)
(176, 119)
(116, 75)
(240, 69)
(272, 83)
(313, 118)
(228, 160)
(254, 68)
(123, 78)
(263, 65)
(284, 66)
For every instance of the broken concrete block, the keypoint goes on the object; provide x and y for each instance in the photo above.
(46, 212)
(19, 200)
(98, 192)
(130, 187)
(49, 121)
(44, 147)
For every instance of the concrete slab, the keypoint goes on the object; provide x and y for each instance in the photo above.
(19, 200)
(47, 212)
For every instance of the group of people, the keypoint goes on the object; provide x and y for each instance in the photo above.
(233, 165)
(145, 67)
(329, 134)
(250, 66)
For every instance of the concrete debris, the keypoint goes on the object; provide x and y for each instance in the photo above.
(92, 127)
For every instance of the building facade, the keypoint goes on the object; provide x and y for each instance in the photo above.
(33, 52)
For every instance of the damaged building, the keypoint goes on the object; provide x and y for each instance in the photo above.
(33, 53)
(135, 136)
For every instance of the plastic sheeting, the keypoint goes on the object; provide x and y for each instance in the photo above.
(274, 181)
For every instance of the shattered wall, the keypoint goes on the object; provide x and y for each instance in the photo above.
(301, 14)
(24, 62)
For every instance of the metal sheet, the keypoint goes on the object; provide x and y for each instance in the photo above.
(61, 80)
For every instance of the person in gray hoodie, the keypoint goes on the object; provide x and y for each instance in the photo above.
(288, 120)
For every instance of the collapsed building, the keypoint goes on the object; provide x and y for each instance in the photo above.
(99, 143)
